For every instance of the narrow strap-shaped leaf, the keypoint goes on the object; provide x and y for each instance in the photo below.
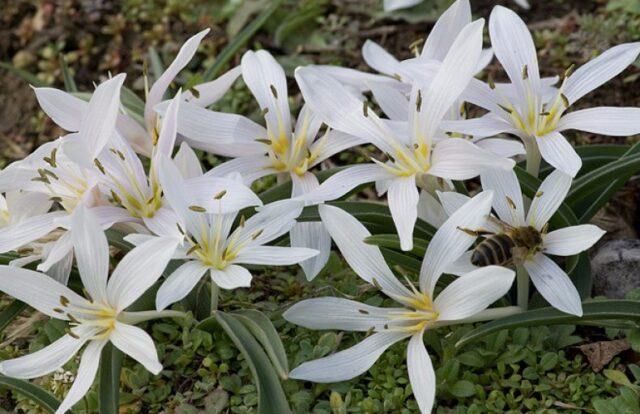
(36, 394)
(392, 241)
(593, 156)
(23, 74)
(263, 330)
(109, 391)
(239, 41)
(271, 397)
(10, 313)
(157, 67)
(395, 258)
(605, 310)
(69, 82)
(132, 101)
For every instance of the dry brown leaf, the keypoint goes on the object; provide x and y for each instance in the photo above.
(601, 353)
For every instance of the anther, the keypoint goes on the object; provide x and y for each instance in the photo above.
(362, 311)
(419, 101)
(274, 91)
(197, 209)
(220, 195)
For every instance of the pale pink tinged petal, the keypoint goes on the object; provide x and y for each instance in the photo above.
(350, 363)
(366, 260)
(274, 255)
(210, 92)
(507, 199)
(473, 292)
(231, 277)
(403, 202)
(486, 126)
(344, 181)
(421, 373)
(169, 128)
(63, 108)
(179, 283)
(87, 371)
(459, 159)
(548, 198)
(603, 120)
(136, 343)
(599, 70)
(251, 168)
(392, 102)
(28, 230)
(267, 81)
(572, 240)
(554, 285)
(513, 46)
(502, 147)
(391, 5)
(92, 253)
(447, 27)
(187, 51)
(43, 361)
(558, 152)
(449, 242)
(187, 162)
(338, 313)
(139, 270)
(379, 59)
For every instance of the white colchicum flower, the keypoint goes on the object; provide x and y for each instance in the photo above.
(419, 309)
(210, 246)
(527, 109)
(279, 148)
(417, 151)
(549, 279)
(391, 5)
(95, 320)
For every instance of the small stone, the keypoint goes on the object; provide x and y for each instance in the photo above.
(616, 268)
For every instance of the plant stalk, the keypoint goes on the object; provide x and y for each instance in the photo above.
(522, 278)
(215, 297)
(533, 156)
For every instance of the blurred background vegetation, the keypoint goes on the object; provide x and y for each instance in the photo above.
(542, 370)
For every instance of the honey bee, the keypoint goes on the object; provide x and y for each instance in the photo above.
(510, 246)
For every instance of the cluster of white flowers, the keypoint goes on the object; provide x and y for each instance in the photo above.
(59, 201)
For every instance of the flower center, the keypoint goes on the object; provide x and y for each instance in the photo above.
(99, 318)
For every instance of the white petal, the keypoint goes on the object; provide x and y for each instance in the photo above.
(135, 135)
(556, 150)
(421, 373)
(36, 289)
(139, 270)
(251, 168)
(338, 313)
(274, 255)
(210, 92)
(486, 56)
(357, 80)
(486, 126)
(22, 205)
(272, 221)
(160, 86)
(169, 129)
(603, 120)
(179, 283)
(390, 5)
(554, 285)
(392, 102)
(28, 230)
(53, 252)
(403, 202)
(63, 108)
(44, 361)
(349, 363)
(507, 199)
(365, 259)
(344, 181)
(599, 70)
(313, 236)
(459, 159)
(188, 162)
(513, 46)
(503, 148)
(163, 223)
(473, 292)
(452, 201)
(379, 59)
(205, 193)
(445, 30)
(263, 74)
(92, 253)
(136, 343)
(430, 209)
(86, 375)
(231, 277)
(548, 198)
(449, 242)
(462, 265)
(572, 240)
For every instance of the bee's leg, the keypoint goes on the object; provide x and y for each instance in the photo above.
(475, 233)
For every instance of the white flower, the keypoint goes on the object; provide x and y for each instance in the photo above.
(416, 151)
(95, 320)
(419, 309)
(210, 245)
(279, 148)
(390, 5)
(529, 111)
(549, 279)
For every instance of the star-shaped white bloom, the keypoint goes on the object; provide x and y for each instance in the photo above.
(419, 308)
(95, 320)
(416, 152)
(391, 5)
(538, 116)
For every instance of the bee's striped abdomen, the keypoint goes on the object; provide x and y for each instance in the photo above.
(494, 250)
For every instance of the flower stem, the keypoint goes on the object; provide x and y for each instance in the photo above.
(523, 287)
(486, 315)
(533, 156)
(215, 297)
(138, 317)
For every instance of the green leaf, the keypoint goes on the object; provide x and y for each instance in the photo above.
(109, 391)
(133, 103)
(264, 331)
(592, 311)
(593, 156)
(392, 241)
(10, 313)
(69, 82)
(240, 40)
(23, 74)
(271, 398)
(157, 67)
(396, 258)
(36, 394)
(463, 389)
